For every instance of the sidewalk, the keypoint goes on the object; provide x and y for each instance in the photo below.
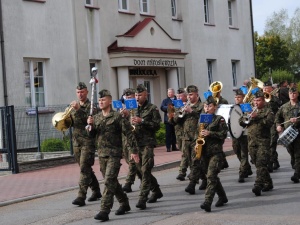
(28, 185)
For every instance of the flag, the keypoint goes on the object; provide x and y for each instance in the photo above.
(207, 94)
(117, 104)
(131, 103)
(255, 90)
(244, 89)
(206, 118)
(178, 103)
(246, 107)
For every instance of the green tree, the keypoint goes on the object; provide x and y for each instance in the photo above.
(271, 52)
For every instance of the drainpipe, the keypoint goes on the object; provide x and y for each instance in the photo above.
(252, 30)
(3, 57)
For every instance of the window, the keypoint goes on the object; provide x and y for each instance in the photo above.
(174, 8)
(89, 2)
(144, 6)
(210, 71)
(34, 83)
(232, 13)
(206, 11)
(233, 66)
(123, 5)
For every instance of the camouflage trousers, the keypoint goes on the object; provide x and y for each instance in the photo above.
(85, 157)
(260, 155)
(198, 169)
(240, 148)
(274, 138)
(132, 170)
(187, 150)
(110, 167)
(214, 165)
(145, 166)
(294, 151)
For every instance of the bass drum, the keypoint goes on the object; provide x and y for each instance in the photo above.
(231, 114)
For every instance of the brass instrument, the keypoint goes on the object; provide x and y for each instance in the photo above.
(182, 109)
(171, 111)
(215, 88)
(247, 117)
(62, 120)
(132, 114)
(254, 84)
(199, 142)
(268, 96)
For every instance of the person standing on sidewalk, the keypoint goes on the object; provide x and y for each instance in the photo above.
(129, 93)
(108, 126)
(84, 147)
(147, 122)
(170, 130)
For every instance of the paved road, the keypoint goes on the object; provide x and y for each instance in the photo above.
(280, 206)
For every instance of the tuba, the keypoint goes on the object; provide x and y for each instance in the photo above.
(215, 88)
(62, 120)
(254, 84)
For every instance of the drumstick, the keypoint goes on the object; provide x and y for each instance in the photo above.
(288, 121)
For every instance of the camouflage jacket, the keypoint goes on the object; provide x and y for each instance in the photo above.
(274, 104)
(259, 128)
(286, 112)
(218, 132)
(145, 131)
(79, 122)
(222, 100)
(108, 131)
(190, 121)
(178, 126)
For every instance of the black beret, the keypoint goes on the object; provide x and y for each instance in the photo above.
(239, 92)
(81, 86)
(293, 89)
(267, 84)
(180, 91)
(103, 93)
(140, 88)
(128, 91)
(259, 94)
(210, 100)
(191, 88)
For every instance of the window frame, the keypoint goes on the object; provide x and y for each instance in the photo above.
(89, 4)
(230, 13)
(142, 2)
(121, 5)
(209, 71)
(234, 72)
(174, 8)
(206, 11)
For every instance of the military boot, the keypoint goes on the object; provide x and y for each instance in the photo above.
(241, 178)
(78, 201)
(295, 178)
(127, 187)
(221, 201)
(203, 185)
(206, 206)
(180, 177)
(123, 209)
(96, 195)
(270, 167)
(155, 195)
(276, 165)
(141, 204)
(103, 216)
(191, 188)
(256, 190)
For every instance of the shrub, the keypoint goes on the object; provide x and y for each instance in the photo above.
(53, 145)
(279, 75)
(161, 135)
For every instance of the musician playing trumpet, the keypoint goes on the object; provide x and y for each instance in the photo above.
(287, 115)
(259, 131)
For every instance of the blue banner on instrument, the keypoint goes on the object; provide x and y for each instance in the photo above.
(206, 118)
(178, 103)
(117, 104)
(255, 90)
(246, 107)
(207, 94)
(131, 103)
(244, 90)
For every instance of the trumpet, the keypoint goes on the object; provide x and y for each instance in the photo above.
(247, 118)
(182, 109)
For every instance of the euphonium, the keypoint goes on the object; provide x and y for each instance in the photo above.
(199, 142)
(182, 109)
(62, 120)
(254, 84)
(215, 88)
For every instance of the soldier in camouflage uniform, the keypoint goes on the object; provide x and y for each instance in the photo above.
(129, 93)
(212, 157)
(289, 113)
(259, 133)
(84, 147)
(240, 145)
(190, 119)
(147, 122)
(108, 126)
(274, 104)
(181, 95)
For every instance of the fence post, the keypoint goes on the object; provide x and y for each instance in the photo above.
(38, 155)
(12, 140)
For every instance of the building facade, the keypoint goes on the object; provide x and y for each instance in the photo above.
(48, 46)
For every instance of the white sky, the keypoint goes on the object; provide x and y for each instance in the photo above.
(263, 9)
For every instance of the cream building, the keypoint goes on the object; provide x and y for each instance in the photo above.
(48, 46)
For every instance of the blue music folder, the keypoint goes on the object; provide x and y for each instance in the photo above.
(178, 103)
(246, 107)
(206, 118)
(207, 94)
(131, 103)
(117, 104)
(244, 90)
(255, 90)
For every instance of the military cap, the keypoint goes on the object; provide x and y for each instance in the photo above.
(293, 89)
(180, 91)
(259, 94)
(209, 100)
(191, 88)
(268, 84)
(103, 93)
(128, 91)
(239, 92)
(140, 88)
(81, 86)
